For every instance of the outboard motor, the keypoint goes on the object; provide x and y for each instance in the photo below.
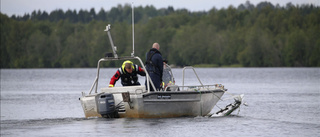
(106, 106)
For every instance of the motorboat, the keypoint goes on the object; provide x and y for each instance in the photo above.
(139, 102)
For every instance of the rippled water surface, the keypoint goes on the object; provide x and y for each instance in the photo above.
(45, 102)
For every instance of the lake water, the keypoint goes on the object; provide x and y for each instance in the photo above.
(45, 102)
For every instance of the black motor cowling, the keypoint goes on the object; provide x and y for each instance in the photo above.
(106, 106)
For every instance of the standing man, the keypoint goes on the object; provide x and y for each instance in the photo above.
(154, 66)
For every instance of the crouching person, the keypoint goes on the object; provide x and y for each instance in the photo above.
(128, 74)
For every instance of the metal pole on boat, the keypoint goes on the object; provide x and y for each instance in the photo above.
(149, 81)
(110, 38)
(97, 80)
(95, 83)
(132, 54)
(189, 67)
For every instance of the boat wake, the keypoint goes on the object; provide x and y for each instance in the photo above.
(5, 124)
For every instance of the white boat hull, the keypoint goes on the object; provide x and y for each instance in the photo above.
(191, 102)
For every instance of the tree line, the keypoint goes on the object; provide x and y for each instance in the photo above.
(261, 35)
(121, 13)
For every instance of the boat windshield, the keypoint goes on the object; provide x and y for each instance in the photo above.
(167, 76)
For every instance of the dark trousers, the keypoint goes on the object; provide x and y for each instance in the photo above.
(155, 78)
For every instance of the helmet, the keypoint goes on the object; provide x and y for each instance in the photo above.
(126, 64)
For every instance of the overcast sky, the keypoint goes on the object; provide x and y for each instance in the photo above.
(20, 7)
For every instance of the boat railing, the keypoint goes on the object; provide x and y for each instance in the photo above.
(96, 81)
(183, 73)
(193, 87)
(114, 58)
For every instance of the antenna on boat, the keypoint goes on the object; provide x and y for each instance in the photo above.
(132, 54)
(114, 48)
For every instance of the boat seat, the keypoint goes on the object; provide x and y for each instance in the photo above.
(130, 89)
(172, 88)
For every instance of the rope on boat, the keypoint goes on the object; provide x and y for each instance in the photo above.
(200, 102)
(220, 97)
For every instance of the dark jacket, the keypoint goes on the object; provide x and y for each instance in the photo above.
(154, 66)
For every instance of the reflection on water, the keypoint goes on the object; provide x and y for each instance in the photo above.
(44, 102)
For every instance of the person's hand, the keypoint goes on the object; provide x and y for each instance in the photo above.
(110, 86)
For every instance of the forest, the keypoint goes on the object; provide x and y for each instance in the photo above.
(262, 35)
